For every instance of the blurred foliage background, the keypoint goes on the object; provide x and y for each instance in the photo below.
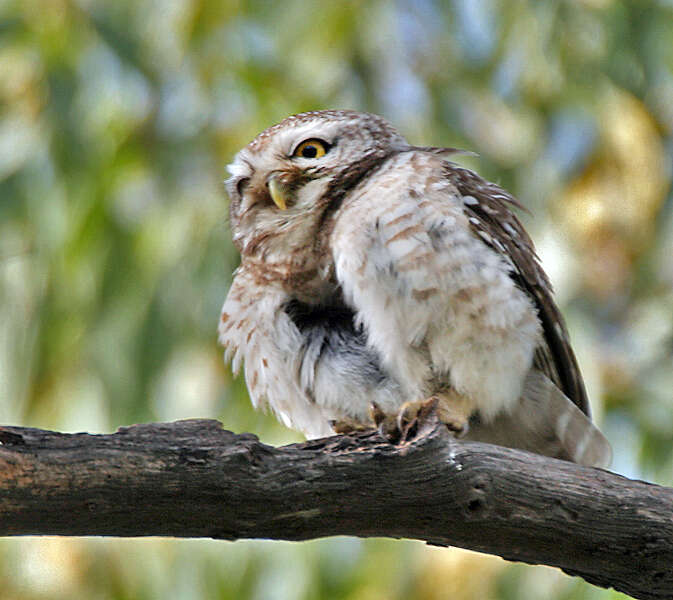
(116, 122)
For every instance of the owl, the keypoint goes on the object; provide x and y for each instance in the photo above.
(378, 278)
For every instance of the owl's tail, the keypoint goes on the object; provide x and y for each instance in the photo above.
(547, 422)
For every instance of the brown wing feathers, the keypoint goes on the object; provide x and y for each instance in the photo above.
(490, 217)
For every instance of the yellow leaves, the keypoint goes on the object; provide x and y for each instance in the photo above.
(510, 135)
(458, 574)
(22, 98)
(611, 208)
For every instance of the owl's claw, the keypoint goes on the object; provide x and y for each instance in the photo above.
(347, 426)
(386, 424)
(414, 414)
(406, 424)
(449, 409)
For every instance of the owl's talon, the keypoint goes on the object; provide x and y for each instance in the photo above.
(406, 424)
(347, 426)
(428, 408)
(376, 414)
(457, 425)
(454, 411)
(385, 424)
(448, 408)
(413, 415)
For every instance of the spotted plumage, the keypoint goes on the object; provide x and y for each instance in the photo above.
(376, 271)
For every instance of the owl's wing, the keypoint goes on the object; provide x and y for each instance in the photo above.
(545, 420)
(438, 303)
(424, 240)
(490, 217)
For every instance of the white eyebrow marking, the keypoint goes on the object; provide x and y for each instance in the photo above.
(236, 169)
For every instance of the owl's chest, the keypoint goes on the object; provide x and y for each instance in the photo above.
(335, 367)
(307, 360)
(304, 276)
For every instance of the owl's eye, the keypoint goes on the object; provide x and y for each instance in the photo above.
(313, 148)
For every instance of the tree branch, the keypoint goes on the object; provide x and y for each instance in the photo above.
(193, 479)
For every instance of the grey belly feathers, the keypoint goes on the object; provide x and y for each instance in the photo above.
(337, 363)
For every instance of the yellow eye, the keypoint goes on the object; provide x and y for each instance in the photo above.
(313, 148)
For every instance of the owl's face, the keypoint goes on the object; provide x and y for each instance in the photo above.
(285, 180)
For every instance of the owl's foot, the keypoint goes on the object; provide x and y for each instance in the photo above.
(450, 408)
(385, 423)
(406, 424)
(346, 426)
(454, 410)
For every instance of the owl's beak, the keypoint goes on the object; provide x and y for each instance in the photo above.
(279, 191)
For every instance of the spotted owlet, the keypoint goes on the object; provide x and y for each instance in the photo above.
(376, 273)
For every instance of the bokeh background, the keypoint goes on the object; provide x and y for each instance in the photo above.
(116, 122)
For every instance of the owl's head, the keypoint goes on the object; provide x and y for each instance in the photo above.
(285, 180)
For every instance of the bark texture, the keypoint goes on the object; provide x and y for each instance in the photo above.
(194, 479)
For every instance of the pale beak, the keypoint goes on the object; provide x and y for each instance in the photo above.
(279, 192)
